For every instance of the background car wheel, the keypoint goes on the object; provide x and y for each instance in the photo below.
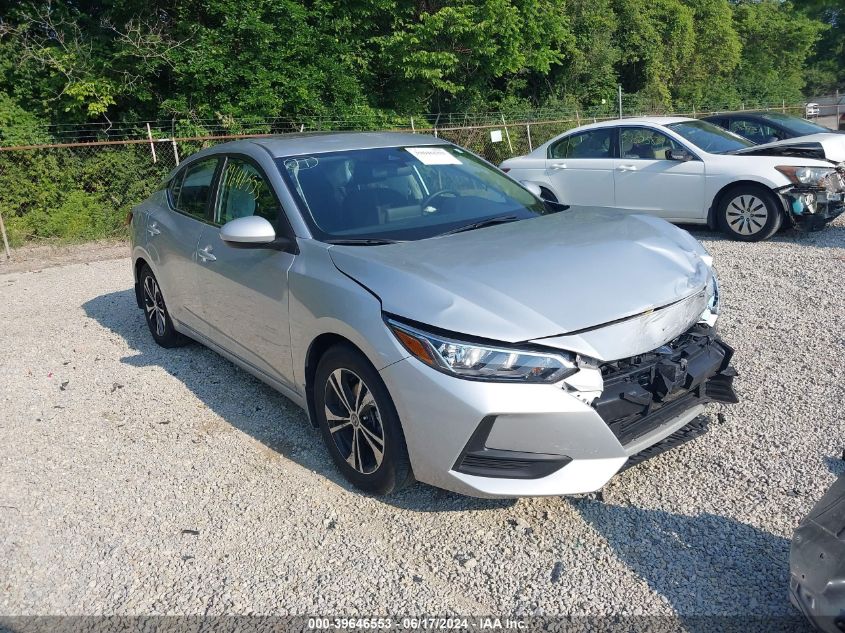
(155, 312)
(749, 213)
(359, 422)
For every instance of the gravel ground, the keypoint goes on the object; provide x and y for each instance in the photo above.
(137, 480)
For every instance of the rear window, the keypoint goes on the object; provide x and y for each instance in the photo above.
(796, 125)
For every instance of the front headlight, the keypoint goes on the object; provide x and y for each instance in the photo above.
(482, 362)
(806, 175)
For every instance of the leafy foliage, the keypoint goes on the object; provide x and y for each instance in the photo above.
(235, 63)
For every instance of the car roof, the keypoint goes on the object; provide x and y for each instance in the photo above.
(639, 120)
(322, 142)
(652, 120)
(751, 114)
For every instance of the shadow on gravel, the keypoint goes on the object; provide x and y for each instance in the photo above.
(836, 465)
(706, 564)
(828, 237)
(264, 414)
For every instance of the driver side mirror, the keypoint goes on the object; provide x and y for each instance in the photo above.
(681, 155)
(252, 231)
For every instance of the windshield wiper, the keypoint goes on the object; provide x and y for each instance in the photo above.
(502, 219)
(361, 241)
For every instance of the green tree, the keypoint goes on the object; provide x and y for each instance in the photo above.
(777, 42)
(707, 78)
(826, 71)
(657, 41)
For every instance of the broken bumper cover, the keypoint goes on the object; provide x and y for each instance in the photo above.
(644, 392)
(511, 440)
(817, 562)
(812, 207)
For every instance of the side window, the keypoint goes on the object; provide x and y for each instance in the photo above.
(191, 188)
(645, 144)
(558, 150)
(756, 131)
(593, 144)
(244, 192)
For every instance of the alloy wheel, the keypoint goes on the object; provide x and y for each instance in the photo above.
(354, 421)
(747, 214)
(154, 305)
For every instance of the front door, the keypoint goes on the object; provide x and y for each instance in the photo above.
(245, 290)
(580, 168)
(648, 181)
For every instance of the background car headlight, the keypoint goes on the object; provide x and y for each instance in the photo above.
(806, 175)
(482, 362)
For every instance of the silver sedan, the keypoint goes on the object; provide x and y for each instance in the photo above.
(436, 319)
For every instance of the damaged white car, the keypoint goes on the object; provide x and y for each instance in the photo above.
(693, 172)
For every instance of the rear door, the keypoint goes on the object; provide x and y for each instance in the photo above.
(580, 168)
(173, 231)
(647, 180)
(244, 290)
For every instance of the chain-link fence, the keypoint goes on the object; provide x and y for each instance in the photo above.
(84, 190)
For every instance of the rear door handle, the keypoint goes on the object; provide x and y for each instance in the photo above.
(558, 165)
(205, 254)
(153, 229)
(627, 168)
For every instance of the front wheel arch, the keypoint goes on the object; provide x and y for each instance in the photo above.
(767, 196)
(138, 267)
(319, 346)
(712, 221)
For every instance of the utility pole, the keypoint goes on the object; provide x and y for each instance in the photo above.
(620, 101)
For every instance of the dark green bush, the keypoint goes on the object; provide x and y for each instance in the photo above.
(73, 194)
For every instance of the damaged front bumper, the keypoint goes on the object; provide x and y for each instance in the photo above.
(811, 207)
(510, 440)
(641, 394)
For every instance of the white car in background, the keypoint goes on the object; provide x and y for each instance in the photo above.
(686, 171)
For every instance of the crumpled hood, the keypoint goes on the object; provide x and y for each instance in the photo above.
(830, 146)
(535, 278)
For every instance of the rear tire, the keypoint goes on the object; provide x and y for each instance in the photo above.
(749, 213)
(359, 422)
(156, 314)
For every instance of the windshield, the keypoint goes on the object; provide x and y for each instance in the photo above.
(709, 137)
(401, 193)
(799, 127)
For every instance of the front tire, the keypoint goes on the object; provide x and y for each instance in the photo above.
(749, 213)
(359, 422)
(156, 314)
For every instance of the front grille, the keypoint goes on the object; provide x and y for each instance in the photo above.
(643, 392)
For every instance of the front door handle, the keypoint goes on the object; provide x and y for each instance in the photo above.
(153, 229)
(627, 168)
(558, 165)
(205, 254)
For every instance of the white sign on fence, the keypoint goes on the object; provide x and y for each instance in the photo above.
(496, 136)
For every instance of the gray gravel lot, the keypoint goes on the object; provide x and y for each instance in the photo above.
(137, 480)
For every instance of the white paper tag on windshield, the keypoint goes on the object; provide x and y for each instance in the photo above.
(433, 156)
